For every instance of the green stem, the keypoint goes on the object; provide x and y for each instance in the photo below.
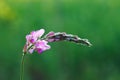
(22, 66)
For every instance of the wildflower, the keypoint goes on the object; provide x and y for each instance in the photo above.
(35, 43)
(34, 35)
(41, 45)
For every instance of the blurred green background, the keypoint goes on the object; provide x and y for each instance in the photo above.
(97, 20)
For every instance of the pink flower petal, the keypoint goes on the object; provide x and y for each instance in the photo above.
(41, 45)
(51, 40)
(50, 34)
(39, 50)
(39, 33)
(47, 47)
(28, 38)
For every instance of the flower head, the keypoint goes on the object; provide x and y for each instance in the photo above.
(41, 45)
(35, 43)
(34, 35)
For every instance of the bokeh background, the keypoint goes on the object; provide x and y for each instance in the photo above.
(97, 20)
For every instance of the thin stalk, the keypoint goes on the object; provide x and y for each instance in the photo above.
(22, 67)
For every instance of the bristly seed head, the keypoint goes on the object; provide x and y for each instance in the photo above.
(62, 36)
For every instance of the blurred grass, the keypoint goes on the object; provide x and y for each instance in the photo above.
(97, 20)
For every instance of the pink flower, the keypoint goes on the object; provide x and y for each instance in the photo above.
(34, 35)
(41, 45)
(34, 42)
